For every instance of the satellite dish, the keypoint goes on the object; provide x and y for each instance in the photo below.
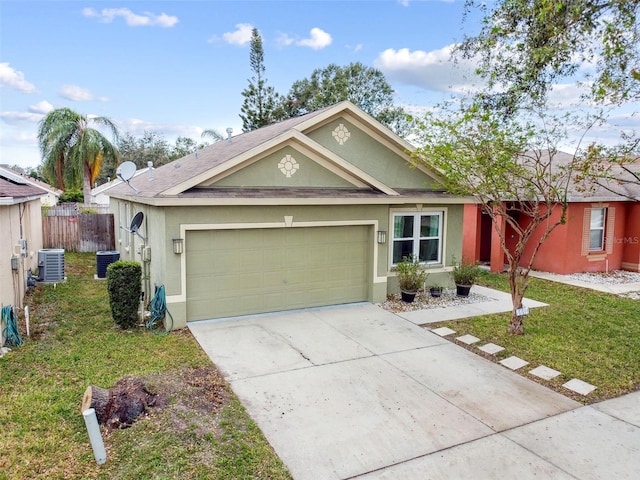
(136, 221)
(126, 171)
(134, 227)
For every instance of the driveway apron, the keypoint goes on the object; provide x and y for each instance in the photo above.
(358, 392)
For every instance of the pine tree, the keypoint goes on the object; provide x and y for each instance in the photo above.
(261, 102)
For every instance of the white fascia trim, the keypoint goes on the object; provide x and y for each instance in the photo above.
(190, 227)
(19, 200)
(366, 121)
(351, 169)
(374, 129)
(254, 154)
(225, 201)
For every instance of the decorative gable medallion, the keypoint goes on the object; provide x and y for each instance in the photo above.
(288, 166)
(341, 134)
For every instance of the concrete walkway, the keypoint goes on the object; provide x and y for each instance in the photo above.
(359, 392)
(497, 302)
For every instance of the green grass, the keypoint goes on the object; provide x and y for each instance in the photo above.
(75, 343)
(584, 334)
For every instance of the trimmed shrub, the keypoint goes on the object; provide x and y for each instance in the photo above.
(124, 286)
(73, 196)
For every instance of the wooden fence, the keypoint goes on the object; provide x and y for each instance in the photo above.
(79, 233)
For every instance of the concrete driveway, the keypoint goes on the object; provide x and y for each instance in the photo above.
(358, 392)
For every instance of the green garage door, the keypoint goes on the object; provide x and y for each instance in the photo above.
(239, 272)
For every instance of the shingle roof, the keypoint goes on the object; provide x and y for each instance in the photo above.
(192, 165)
(12, 189)
(11, 174)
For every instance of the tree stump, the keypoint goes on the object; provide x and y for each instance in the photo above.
(119, 406)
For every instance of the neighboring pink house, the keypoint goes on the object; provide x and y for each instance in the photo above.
(601, 233)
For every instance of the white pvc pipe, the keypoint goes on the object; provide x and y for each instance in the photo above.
(91, 421)
(26, 318)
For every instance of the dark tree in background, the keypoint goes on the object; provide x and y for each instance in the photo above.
(363, 86)
(151, 147)
(261, 102)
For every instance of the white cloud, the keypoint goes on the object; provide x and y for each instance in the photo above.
(284, 40)
(568, 95)
(13, 118)
(434, 70)
(146, 19)
(318, 39)
(240, 36)
(79, 94)
(42, 107)
(12, 78)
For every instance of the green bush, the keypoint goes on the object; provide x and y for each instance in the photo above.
(124, 286)
(72, 196)
(411, 276)
(465, 273)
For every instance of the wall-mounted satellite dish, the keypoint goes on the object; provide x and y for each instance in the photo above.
(125, 172)
(134, 227)
(136, 221)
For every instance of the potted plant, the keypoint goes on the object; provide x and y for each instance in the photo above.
(435, 290)
(465, 275)
(411, 277)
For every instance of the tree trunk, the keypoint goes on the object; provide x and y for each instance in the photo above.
(516, 325)
(121, 405)
(86, 185)
(98, 399)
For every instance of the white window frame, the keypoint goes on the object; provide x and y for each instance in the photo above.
(416, 233)
(601, 229)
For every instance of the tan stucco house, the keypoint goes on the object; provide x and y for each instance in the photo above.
(20, 237)
(311, 211)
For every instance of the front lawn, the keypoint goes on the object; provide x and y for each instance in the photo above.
(584, 334)
(198, 430)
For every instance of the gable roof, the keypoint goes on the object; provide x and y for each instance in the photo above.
(95, 191)
(11, 174)
(186, 177)
(16, 190)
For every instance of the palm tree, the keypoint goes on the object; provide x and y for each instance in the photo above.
(213, 134)
(72, 151)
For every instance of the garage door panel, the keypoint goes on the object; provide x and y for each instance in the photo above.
(237, 272)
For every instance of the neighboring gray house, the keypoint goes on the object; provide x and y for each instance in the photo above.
(311, 211)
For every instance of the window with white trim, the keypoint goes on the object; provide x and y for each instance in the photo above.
(418, 234)
(597, 229)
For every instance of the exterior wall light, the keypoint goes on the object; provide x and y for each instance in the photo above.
(382, 236)
(178, 245)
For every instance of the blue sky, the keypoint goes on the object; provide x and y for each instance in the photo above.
(178, 67)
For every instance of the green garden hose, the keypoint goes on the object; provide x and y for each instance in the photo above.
(11, 332)
(159, 323)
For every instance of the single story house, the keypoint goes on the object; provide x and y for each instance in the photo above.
(20, 237)
(100, 194)
(314, 210)
(601, 233)
(52, 194)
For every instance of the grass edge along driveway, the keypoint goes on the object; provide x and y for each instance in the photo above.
(584, 334)
(198, 430)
